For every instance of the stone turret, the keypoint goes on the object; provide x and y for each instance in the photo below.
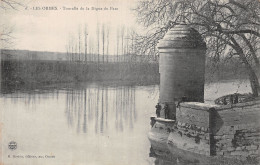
(181, 66)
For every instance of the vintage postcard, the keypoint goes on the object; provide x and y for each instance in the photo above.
(126, 82)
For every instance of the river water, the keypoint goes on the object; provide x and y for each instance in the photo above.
(85, 123)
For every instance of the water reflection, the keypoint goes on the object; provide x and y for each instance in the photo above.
(102, 107)
(104, 123)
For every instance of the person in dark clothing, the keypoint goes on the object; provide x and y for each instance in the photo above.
(166, 111)
(224, 101)
(236, 99)
(158, 109)
(231, 99)
(183, 99)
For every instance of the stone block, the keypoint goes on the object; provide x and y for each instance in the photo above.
(204, 129)
(243, 147)
(236, 127)
(220, 153)
(225, 141)
(239, 153)
(226, 153)
(242, 127)
(218, 145)
(179, 123)
(218, 137)
(251, 147)
(254, 152)
(225, 130)
(238, 149)
(230, 136)
(230, 149)
(207, 129)
(202, 152)
(254, 134)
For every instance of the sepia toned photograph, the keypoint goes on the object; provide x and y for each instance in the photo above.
(129, 82)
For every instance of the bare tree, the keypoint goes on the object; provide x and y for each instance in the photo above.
(70, 47)
(75, 52)
(6, 37)
(133, 45)
(97, 30)
(230, 28)
(122, 40)
(108, 30)
(127, 46)
(86, 42)
(117, 44)
(79, 44)
(103, 42)
(10, 4)
(91, 47)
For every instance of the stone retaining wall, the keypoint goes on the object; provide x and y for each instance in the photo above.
(229, 130)
(236, 129)
(193, 126)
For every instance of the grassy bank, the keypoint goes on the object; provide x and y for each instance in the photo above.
(48, 72)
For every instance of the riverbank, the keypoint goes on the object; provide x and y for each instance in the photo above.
(50, 72)
(36, 72)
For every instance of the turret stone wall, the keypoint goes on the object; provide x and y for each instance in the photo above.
(229, 130)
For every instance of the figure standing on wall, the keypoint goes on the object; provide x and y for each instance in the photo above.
(166, 111)
(224, 101)
(183, 99)
(158, 109)
(236, 99)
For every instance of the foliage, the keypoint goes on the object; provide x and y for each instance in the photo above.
(6, 38)
(230, 28)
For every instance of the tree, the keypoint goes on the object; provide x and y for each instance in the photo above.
(10, 4)
(103, 42)
(98, 31)
(79, 44)
(86, 42)
(230, 28)
(108, 30)
(6, 38)
(117, 44)
(122, 40)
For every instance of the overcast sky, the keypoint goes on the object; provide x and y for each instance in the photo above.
(49, 30)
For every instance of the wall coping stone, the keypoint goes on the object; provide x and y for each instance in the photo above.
(198, 105)
(164, 120)
(206, 106)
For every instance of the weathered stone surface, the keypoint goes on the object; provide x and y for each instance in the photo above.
(238, 148)
(190, 116)
(235, 128)
(230, 149)
(226, 153)
(228, 136)
(253, 152)
(240, 153)
(251, 147)
(220, 153)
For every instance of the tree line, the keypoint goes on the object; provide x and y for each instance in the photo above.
(86, 47)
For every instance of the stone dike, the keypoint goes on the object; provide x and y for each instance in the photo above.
(231, 131)
(236, 129)
(227, 130)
